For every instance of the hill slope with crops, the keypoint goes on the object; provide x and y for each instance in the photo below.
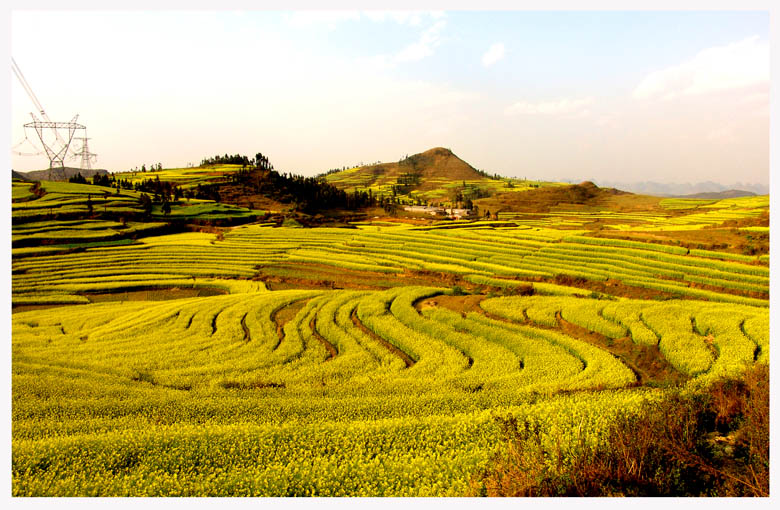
(214, 350)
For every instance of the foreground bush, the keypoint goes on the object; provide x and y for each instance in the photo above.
(711, 443)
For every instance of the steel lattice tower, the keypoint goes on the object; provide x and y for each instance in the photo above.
(60, 134)
(86, 156)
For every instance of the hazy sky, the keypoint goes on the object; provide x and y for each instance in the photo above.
(626, 96)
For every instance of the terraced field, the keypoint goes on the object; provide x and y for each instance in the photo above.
(358, 393)
(65, 200)
(476, 253)
(434, 176)
(183, 177)
(674, 214)
(375, 360)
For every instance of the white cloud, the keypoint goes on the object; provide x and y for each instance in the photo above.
(424, 47)
(570, 107)
(493, 54)
(737, 65)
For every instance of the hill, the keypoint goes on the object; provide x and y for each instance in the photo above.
(576, 196)
(719, 195)
(57, 174)
(436, 176)
(418, 172)
(671, 189)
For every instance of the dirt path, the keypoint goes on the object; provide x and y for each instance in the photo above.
(152, 294)
(460, 304)
(247, 336)
(387, 345)
(282, 315)
(332, 351)
(214, 323)
(647, 363)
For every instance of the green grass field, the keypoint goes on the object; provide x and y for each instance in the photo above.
(61, 200)
(183, 177)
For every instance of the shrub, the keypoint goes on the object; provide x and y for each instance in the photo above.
(712, 443)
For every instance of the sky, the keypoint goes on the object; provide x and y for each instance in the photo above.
(665, 96)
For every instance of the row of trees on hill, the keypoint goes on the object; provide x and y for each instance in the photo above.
(235, 159)
(309, 194)
(493, 176)
(260, 161)
(159, 190)
(257, 176)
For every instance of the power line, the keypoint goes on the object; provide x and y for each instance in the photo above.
(63, 132)
(84, 154)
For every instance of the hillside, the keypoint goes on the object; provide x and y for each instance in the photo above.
(436, 175)
(165, 341)
(57, 174)
(420, 171)
(576, 196)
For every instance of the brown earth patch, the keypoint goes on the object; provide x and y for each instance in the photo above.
(256, 385)
(381, 341)
(459, 304)
(585, 196)
(611, 287)
(332, 351)
(323, 276)
(724, 237)
(151, 294)
(27, 308)
(131, 295)
(281, 316)
(648, 364)
(247, 335)
(430, 167)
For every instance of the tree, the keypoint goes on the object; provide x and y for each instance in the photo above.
(166, 208)
(101, 180)
(78, 179)
(146, 204)
(89, 204)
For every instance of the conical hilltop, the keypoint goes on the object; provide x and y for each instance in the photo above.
(431, 173)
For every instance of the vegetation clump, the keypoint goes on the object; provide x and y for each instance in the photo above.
(709, 443)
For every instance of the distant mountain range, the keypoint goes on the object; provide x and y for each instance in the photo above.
(57, 174)
(719, 195)
(685, 189)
